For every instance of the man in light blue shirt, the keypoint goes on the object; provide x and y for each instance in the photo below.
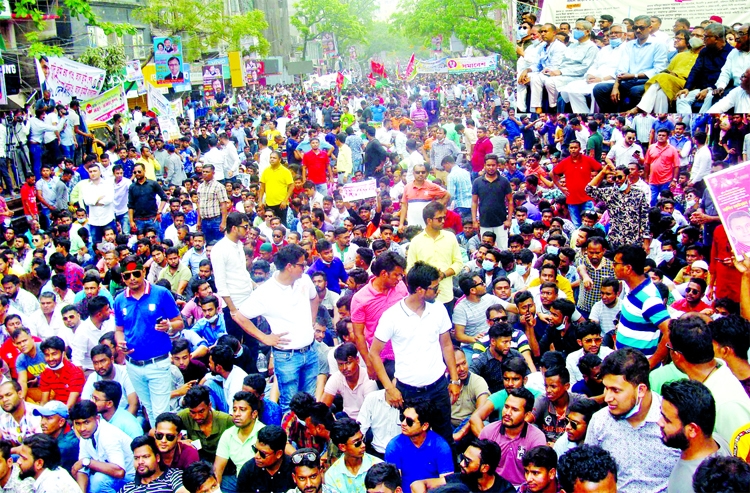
(640, 60)
(550, 57)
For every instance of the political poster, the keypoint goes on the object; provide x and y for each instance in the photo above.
(66, 79)
(328, 42)
(730, 191)
(168, 60)
(157, 102)
(213, 81)
(557, 11)
(254, 71)
(359, 190)
(134, 74)
(187, 85)
(103, 107)
(471, 64)
(434, 66)
(226, 72)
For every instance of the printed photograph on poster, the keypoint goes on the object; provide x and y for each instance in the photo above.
(66, 79)
(730, 191)
(133, 73)
(328, 41)
(254, 70)
(168, 60)
(213, 81)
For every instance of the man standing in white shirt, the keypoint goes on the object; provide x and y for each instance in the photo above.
(702, 162)
(289, 302)
(99, 196)
(121, 186)
(215, 157)
(232, 161)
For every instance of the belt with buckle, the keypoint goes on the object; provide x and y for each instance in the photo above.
(145, 362)
(426, 388)
(301, 350)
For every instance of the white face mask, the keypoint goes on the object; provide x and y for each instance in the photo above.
(212, 319)
(636, 408)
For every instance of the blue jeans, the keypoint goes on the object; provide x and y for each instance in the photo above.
(576, 210)
(296, 372)
(35, 152)
(322, 188)
(464, 212)
(141, 224)
(101, 483)
(152, 384)
(68, 151)
(212, 229)
(124, 222)
(229, 483)
(655, 190)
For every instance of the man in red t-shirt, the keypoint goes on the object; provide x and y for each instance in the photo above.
(28, 197)
(577, 169)
(61, 380)
(693, 301)
(482, 147)
(316, 167)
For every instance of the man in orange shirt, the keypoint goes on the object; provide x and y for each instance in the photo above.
(662, 165)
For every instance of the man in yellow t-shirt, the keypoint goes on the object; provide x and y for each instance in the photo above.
(276, 186)
(271, 134)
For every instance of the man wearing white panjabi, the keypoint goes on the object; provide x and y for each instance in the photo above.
(603, 69)
(550, 58)
(576, 60)
(529, 59)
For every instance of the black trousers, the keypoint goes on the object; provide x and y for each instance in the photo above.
(437, 393)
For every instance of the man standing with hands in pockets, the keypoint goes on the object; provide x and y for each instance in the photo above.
(419, 330)
(146, 316)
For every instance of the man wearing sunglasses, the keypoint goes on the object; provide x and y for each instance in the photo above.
(173, 453)
(354, 464)
(146, 316)
(271, 469)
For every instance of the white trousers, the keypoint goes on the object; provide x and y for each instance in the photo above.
(575, 93)
(684, 103)
(654, 100)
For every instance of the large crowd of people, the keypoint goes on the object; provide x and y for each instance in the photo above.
(633, 65)
(536, 303)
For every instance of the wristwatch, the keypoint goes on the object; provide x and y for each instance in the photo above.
(86, 462)
(456, 382)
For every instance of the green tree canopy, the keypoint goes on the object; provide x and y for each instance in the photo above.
(204, 26)
(472, 21)
(312, 18)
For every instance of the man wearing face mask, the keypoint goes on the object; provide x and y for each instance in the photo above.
(601, 70)
(550, 56)
(628, 428)
(576, 60)
(708, 66)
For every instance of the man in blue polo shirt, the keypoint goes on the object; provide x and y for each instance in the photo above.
(146, 316)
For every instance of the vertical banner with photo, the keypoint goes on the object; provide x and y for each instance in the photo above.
(168, 60)
(133, 73)
(186, 85)
(213, 81)
(3, 90)
(254, 71)
(730, 190)
(328, 40)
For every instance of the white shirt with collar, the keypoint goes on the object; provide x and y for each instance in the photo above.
(112, 446)
(230, 271)
(217, 159)
(56, 480)
(233, 384)
(37, 322)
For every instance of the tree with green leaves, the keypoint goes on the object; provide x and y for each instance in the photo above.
(312, 18)
(472, 21)
(75, 9)
(110, 58)
(204, 26)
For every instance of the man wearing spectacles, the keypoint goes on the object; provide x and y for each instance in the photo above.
(704, 75)
(416, 197)
(271, 469)
(146, 316)
(693, 300)
(307, 471)
(172, 453)
(641, 60)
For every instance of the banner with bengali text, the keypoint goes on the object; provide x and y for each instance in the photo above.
(66, 79)
(105, 105)
(359, 190)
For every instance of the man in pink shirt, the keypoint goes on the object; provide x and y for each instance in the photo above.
(482, 147)
(662, 165)
(385, 289)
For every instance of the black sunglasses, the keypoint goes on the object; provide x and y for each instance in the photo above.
(262, 454)
(573, 424)
(160, 436)
(308, 456)
(499, 319)
(127, 275)
(409, 421)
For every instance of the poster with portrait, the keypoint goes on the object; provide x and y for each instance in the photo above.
(168, 60)
(328, 42)
(730, 191)
(134, 74)
(255, 71)
(213, 81)
(66, 79)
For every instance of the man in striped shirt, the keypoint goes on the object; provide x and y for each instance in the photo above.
(644, 321)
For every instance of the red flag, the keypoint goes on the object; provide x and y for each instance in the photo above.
(378, 69)
(339, 81)
(372, 79)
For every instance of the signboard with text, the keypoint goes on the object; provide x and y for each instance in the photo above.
(730, 191)
(359, 190)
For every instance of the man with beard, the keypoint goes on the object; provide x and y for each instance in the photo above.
(88, 333)
(350, 381)
(688, 414)
(10, 474)
(39, 458)
(201, 288)
(105, 368)
(514, 434)
(107, 395)
(236, 444)
(589, 337)
(489, 364)
(194, 255)
(478, 464)
(61, 380)
(54, 420)
(203, 423)
(149, 476)
(627, 428)
(172, 453)
(271, 469)
(104, 463)
(192, 370)
(307, 472)
(419, 330)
